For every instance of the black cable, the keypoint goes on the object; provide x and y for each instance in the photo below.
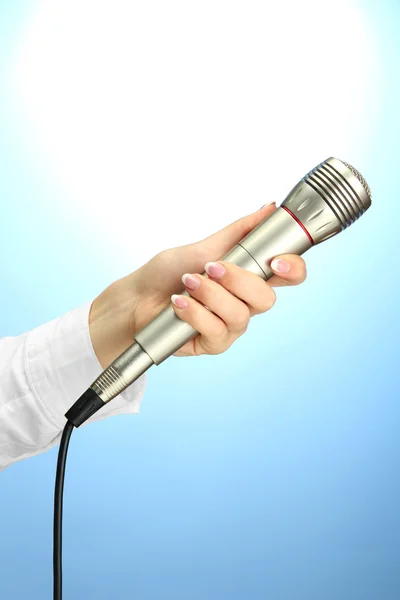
(58, 510)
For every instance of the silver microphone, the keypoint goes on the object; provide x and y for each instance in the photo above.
(327, 200)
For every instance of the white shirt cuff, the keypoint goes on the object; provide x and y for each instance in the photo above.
(61, 364)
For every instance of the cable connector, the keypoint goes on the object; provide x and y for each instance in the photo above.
(86, 406)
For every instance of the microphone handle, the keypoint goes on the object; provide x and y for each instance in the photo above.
(278, 234)
(323, 203)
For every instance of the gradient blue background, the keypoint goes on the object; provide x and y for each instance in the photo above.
(271, 471)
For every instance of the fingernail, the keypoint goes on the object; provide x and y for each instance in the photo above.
(280, 265)
(268, 204)
(215, 270)
(179, 301)
(191, 281)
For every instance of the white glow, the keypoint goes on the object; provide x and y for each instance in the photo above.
(164, 121)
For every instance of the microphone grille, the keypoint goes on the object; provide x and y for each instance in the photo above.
(360, 179)
(342, 187)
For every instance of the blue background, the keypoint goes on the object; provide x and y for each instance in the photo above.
(271, 471)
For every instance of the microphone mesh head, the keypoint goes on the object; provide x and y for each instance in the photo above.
(342, 187)
(360, 179)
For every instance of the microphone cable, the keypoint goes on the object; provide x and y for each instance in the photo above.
(58, 510)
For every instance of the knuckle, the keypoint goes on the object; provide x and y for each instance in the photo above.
(240, 319)
(269, 300)
(217, 350)
(207, 288)
(217, 341)
(243, 317)
(243, 329)
(220, 334)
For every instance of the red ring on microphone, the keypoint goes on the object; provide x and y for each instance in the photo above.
(300, 223)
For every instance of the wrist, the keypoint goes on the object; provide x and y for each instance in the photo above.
(110, 325)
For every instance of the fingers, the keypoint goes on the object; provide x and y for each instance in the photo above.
(232, 296)
(214, 337)
(234, 312)
(243, 285)
(289, 269)
(230, 315)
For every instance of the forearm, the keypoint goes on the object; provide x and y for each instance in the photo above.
(43, 372)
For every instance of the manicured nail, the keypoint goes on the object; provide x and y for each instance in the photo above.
(215, 270)
(268, 204)
(179, 301)
(191, 281)
(280, 265)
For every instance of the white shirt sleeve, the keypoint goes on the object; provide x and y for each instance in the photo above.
(43, 372)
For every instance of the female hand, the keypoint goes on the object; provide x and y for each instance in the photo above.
(232, 294)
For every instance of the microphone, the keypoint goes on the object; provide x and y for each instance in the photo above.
(327, 200)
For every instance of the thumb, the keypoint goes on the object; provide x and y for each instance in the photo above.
(222, 241)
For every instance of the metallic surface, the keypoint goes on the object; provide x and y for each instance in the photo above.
(277, 234)
(166, 333)
(125, 369)
(327, 200)
(359, 177)
(337, 184)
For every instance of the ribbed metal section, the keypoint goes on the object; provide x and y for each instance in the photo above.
(360, 179)
(110, 382)
(337, 192)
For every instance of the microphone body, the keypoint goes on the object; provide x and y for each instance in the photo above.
(277, 234)
(326, 201)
